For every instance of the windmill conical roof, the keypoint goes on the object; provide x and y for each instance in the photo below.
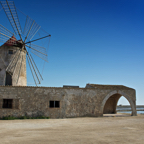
(12, 41)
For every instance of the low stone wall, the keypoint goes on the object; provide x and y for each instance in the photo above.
(74, 102)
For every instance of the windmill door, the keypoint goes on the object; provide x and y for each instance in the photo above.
(8, 79)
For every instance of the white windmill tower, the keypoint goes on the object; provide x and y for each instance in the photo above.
(14, 53)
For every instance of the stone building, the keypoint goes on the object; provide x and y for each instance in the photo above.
(17, 99)
(64, 102)
(12, 64)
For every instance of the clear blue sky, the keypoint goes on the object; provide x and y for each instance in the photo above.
(92, 41)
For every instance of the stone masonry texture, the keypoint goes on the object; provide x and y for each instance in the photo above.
(92, 101)
(17, 67)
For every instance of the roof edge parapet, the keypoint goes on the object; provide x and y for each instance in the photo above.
(100, 86)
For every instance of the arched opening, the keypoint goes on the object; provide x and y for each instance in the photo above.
(8, 80)
(123, 106)
(110, 102)
(123, 101)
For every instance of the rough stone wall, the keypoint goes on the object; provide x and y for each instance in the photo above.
(19, 62)
(74, 102)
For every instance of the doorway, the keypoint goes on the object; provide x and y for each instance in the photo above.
(8, 79)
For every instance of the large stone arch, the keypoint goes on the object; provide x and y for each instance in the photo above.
(121, 93)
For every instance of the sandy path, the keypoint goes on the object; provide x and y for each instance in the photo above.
(104, 130)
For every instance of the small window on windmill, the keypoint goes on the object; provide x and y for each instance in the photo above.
(10, 52)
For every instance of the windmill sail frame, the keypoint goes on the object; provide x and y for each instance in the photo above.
(30, 29)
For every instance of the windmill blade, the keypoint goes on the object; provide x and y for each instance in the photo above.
(3, 39)
(38, 39)
(5, 34)
(39, 48)
(11, 13)
(39, 53)
(31, 28)
(19, 69)
(5, 30)
(34, 69)
(31, 70)
(36, 66)
(36, 50)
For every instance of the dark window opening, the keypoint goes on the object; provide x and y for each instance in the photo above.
(7, 103)
(57, 104)
(10, 51)
(54, 104)
(8, 79)
(51, 103)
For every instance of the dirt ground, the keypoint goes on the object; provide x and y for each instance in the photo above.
(101, 130)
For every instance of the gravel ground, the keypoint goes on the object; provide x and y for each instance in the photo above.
(116, 129)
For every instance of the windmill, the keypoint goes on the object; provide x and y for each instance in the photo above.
(16, 51)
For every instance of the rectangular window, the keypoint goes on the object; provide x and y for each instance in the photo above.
(51, 104)
(54, 104)
(10, 51)
(7, 103)
(8, 79)
(57, 104)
